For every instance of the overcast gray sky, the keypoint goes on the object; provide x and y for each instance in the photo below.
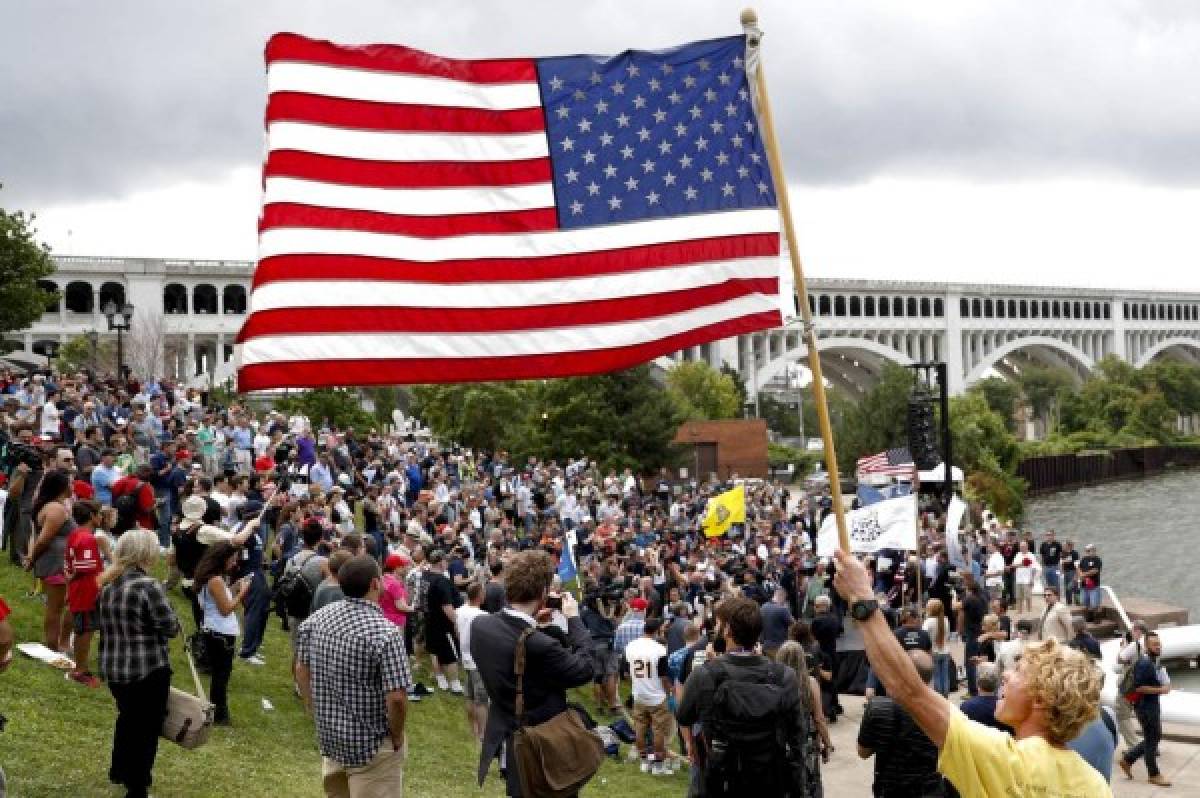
(1015, 141)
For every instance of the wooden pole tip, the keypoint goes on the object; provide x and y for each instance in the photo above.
(749, 17)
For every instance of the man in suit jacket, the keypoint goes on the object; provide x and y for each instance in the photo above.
(1056, 620)
(554, 661)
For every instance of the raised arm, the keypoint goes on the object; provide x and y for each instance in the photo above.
(888, 659)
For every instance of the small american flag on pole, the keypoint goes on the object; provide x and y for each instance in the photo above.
(891, 463)
(427, 219)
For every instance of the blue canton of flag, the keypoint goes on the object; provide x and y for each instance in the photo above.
(644, 135)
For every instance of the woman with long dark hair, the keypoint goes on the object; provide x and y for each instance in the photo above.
(47, 555)
(220, 624)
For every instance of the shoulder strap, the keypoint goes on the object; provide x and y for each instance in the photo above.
(519, 670)
(187, 651)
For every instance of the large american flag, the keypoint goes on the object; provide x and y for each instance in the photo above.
(427, 219)
(892, 463)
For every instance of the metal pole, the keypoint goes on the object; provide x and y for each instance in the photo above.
(943, 381)
(120, 357)
(753, 40)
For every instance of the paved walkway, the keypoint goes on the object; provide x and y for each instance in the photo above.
(847, 775)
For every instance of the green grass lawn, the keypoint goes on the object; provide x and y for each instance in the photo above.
(59, 733)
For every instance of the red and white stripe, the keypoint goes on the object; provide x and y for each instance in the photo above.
(409, 234)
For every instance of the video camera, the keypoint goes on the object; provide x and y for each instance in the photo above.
(13, 453)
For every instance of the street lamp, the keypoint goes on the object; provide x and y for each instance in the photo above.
(51, 351)
(119, 319)
(93, 345)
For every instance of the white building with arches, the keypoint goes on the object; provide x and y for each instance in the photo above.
(188, 312)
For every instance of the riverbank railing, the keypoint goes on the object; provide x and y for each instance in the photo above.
(1049, 473)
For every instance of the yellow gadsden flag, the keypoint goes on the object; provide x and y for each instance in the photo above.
(723, 511)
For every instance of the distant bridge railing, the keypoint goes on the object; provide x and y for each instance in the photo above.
(1049, 473)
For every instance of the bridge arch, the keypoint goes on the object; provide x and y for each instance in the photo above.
(1050, 351)
(852, 364)
(1191, 345)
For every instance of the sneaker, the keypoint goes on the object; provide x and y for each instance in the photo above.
(456, 688)
(647, 765)
(420, 690)
(662, 769)
(1126, 768)
(253, 659)
(83, 677)
(413, 698)
(1159, 781)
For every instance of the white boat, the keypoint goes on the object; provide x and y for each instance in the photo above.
(1178, 643)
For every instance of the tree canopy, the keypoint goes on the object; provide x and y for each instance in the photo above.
(624, 419)
(702, 392)
(23, 261)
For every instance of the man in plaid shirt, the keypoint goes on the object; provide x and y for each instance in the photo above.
(632, 625)
(353, 674)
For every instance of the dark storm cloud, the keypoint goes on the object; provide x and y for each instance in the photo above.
(101, 99)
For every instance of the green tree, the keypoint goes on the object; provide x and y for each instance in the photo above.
(1002, 397)
(878, 421)
(781, 416)
(23, 261)
(739, 384)
(1042, 389)
(702, 392)
(76, 354)
(337, 406)
(622, 420)
(481, 415)
(385, 399)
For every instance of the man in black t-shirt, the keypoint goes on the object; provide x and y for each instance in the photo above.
(1051, 553)
(440, 601)
(1089, 581)
(905, 758)
(974, 606)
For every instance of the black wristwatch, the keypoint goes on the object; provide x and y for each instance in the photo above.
(863, 609)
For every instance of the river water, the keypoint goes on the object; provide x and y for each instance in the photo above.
(1146, 531)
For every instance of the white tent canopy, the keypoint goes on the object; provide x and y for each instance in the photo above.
(938, 474)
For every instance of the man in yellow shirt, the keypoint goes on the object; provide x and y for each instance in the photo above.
(1047, 700)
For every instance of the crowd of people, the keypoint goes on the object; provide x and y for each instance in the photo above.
(386, 557)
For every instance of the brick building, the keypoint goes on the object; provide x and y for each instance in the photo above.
(724, 447)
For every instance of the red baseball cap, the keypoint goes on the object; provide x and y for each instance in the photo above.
(639, 604)
(394, 561)
(83, 490)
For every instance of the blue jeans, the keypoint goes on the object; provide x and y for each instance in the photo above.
(258, 608)
(941, 673)
(1050, 577)
(1071, 587)
(164, 519)
(1092, 598)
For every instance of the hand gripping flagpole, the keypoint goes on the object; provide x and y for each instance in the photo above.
(759, 86)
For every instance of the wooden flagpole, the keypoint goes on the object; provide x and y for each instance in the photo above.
(754, 38)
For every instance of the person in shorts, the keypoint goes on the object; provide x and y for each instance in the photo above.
(83, 566)
(473, 689)
(647, 658)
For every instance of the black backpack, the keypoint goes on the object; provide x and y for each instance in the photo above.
(748, 752)
(126, 506)
(293, 593)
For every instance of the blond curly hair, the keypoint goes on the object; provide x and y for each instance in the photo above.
(1066, 683)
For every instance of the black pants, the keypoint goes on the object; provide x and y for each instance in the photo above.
(194, 600)
(220, 657)
(141, 707)
(1148, 714)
